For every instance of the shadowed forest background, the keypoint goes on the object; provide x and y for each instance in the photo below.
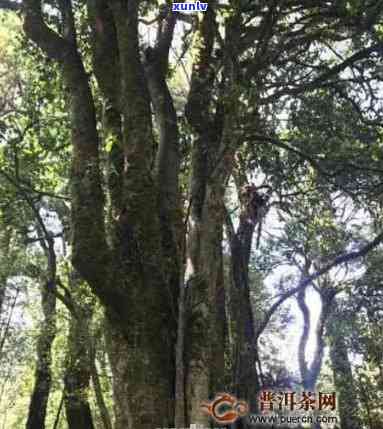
(189, 204)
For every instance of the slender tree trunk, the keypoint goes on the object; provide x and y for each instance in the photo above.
(58, 414)
(310, 372)
(5, 261)
(180, 396)
(375, 344)
(343, 378)
(307, 383)
(104, 412)
(166, 170)
(43, 377)
(245, 377)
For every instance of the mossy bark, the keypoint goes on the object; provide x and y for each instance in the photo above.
(43, 375)
(77, 375)
(205, 328)
(143, 376)
(205, 320)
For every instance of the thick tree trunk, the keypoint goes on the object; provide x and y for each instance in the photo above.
(142, 353)
(118, 353)
(205, 320)
(205, 330)
(79, 358)
(130, 279)
(166, 170)
(77, 375)
(43, 377)
(140, 392)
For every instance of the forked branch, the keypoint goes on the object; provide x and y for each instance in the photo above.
(342, 259)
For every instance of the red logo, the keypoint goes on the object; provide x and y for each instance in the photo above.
(225, 408)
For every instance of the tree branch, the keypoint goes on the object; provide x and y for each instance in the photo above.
(36, 29)
(105, 50)
(90, 251)
(342, 259)
(167, 160)
(328, 74)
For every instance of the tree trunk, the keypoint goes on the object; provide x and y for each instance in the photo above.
(206, 318)
(310, 372)
(205, 330)
(77, 375)
(40, 394)
(104, 412)
(343, 378)
(5, 262)
(130, 278)
(140, 391)
(245, 377)
(79, 359)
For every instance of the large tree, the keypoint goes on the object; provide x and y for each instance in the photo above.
(132, 236)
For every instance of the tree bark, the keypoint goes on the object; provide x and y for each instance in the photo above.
(130, 278)
(205, 316)
(5, 238)
(77, 375)
(303, 366)
(310, 373)
(245, 377)
(78, 362)
(204, 328)
(343, 378)
(43, 376)
(104, 412)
